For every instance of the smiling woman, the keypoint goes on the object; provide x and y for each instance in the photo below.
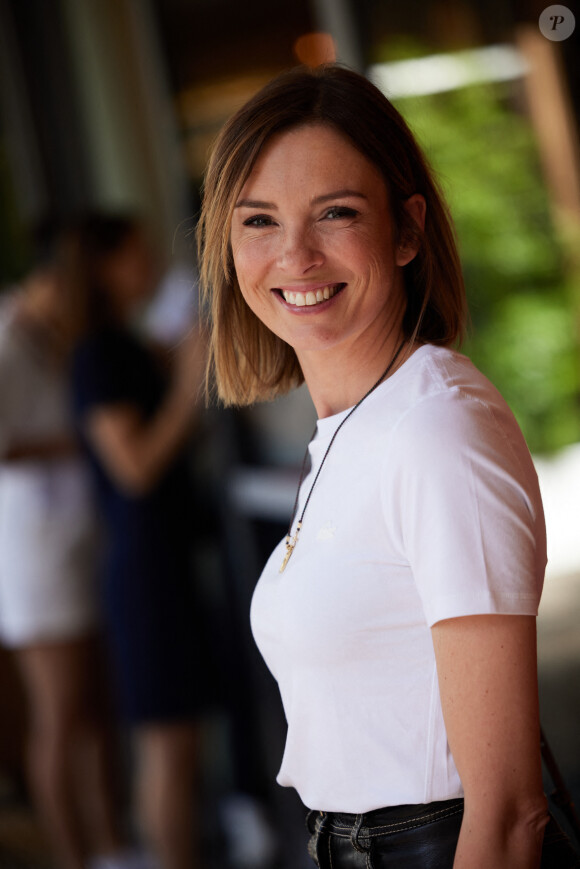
(398, 615)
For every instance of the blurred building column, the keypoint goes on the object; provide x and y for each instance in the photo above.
(337, 18)
(126, 106)
(556, 130)
(38, 104)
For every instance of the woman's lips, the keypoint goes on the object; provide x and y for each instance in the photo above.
(309, 298)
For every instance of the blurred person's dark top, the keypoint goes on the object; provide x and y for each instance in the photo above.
(112, 366)
(147, 570)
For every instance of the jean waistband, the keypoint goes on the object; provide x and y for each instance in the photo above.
(382, 822)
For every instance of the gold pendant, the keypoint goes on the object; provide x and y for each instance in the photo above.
(290, 544)
(289, 551)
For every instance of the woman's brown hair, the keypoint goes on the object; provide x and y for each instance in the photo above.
(248, 361)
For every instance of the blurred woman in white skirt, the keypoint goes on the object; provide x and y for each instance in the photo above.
(49, 614)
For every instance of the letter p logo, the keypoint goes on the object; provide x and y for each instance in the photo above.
(557, 23)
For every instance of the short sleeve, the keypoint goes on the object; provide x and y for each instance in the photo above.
(461, 489)
(102, 373)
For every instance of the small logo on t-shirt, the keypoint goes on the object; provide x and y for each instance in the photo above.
(327, 531)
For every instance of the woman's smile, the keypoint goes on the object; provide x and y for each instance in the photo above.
(309, 297)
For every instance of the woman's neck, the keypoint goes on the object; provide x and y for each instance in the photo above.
(338, 380)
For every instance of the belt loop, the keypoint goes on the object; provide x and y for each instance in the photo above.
(318, 819)
(354, 835)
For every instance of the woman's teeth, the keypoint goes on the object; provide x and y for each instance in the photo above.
(312, 297)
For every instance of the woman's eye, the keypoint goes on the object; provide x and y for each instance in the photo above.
(337, 212)
(259, 220)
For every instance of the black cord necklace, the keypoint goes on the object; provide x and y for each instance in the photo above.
(292, 540)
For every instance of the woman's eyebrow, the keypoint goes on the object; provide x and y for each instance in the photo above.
(338, 194)
(325, 197)
(255, 203)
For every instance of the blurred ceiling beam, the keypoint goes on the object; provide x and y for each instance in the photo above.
(437, 73)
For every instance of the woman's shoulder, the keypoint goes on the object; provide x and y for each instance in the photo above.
(100, 362)
(113, 365)
(17, 342)
(9, 317)
(439, 402)
(433, 377)
(437, 370)
(449, 409)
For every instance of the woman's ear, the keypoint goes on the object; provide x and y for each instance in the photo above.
(411, 235)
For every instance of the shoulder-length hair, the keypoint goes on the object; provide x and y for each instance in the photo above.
(248, 361)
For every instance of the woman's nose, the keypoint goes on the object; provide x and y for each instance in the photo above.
(299, 253)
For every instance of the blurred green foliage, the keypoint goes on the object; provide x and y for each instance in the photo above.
(522, 307)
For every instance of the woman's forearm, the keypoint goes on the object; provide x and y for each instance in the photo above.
(487, 671)
(136, 453)
(510, 841)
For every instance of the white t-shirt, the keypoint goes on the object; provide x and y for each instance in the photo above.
(428, 507)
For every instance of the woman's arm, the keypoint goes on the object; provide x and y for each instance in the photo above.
(136, 452)
(45, 450)
(488, 684)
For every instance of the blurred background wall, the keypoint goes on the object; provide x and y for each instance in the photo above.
(114, 103)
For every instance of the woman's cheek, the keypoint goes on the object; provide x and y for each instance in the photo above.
(252, 295)
(248, 258)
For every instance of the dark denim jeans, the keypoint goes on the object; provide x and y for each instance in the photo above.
(408, 837)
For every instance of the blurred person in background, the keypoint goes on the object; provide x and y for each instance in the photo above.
(134, 417)
(398, 616)
(49, 611)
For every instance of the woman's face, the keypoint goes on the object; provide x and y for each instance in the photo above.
(313, 243)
